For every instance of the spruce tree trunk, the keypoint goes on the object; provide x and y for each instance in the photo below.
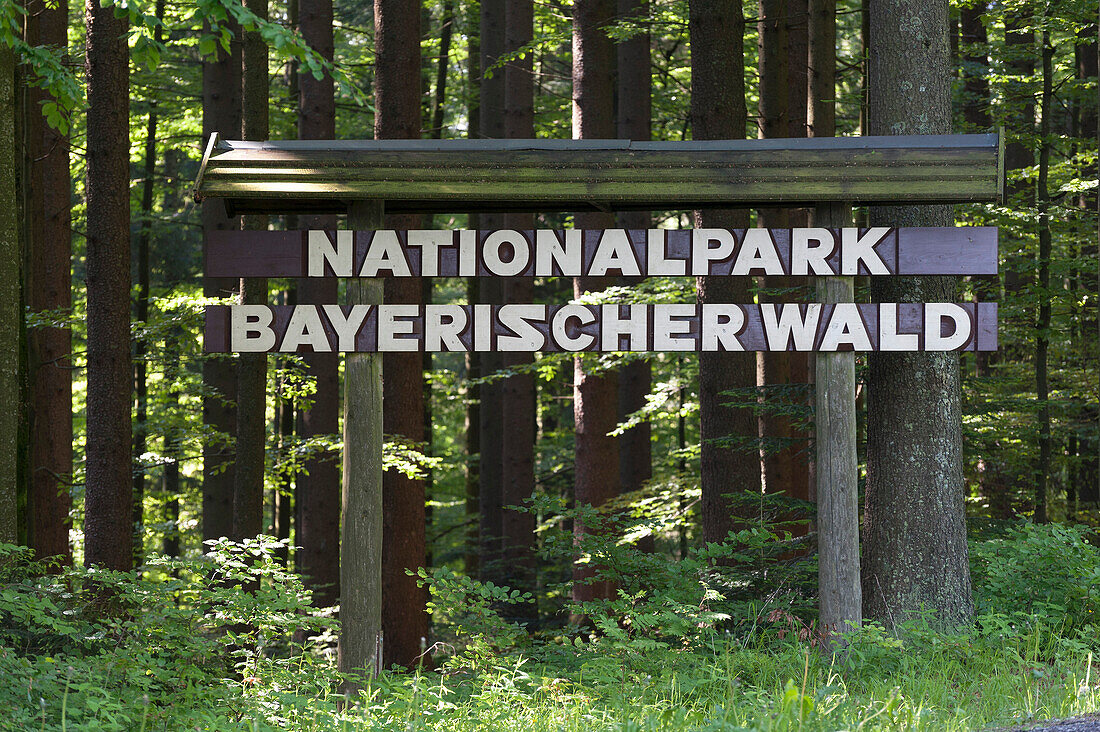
(11, 314)
(221, 113)
(633, 115)
(595, 395)
(397, 116)
(50, 288)
(141, 317)
(914, 552)
(1042, 330)
(248, 486)
(318, 486)
(108, 521)
(518, 392)
(491, 437)
(472, 553)
(718, 112)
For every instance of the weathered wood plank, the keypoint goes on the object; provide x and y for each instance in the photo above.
(581, 175)
(572, 328)
(906, 251)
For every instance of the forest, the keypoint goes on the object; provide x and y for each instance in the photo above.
(616, 540)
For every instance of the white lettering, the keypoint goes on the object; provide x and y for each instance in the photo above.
(250, 329)
(855, 249)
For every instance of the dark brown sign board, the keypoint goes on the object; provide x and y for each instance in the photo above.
(603, 252)
(609, 327)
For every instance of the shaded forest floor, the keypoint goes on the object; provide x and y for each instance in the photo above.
(184, 647)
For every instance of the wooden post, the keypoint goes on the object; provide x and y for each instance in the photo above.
(360, 646)
(839, 590)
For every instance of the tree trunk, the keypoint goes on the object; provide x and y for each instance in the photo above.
(1042, 330)
(595, 395)
(783, 102)
(397, 105)
(221, 113)
(491, 464)
(359, 650)
(518, 392)
(248, 486)
(633, 118)
(11, 314)
(141, 317)
(446, 30)
(915, 554)
(472, 553)
(718, 112)
(50, 288)
(108, 527)
(318, 486)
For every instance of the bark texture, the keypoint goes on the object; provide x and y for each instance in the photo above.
(491, 435)
(633, 119)
(248, 479)
(397, 105)
(718, 112)
(518, 392)
(318, 487)
(108, 528)
(221, 113)
(359, 650)
(915, 554)
(595, 395)
(10, 311)
(49, 288)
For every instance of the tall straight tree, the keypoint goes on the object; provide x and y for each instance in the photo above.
(914, 551)
(472, 558)
(718, 112)
(221, 113)
(595, 394)
(248, 479)
(491, 437)
(633, 120)
(49, 282)
(783, 88)
(141, 317)
(318, 486)
(518, 392)
(397, 116)
(10, 311)
(108, 528)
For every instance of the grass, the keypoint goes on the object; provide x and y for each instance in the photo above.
(917, 680)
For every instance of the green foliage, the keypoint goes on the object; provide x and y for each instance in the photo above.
(94, 649)
(1051, 571)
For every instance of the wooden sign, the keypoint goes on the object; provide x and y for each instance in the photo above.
(575, 327)
(602, 252)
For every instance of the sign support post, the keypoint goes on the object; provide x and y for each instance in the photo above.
(835, 464)
(360, 644)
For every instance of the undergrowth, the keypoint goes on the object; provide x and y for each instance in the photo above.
(186, 647)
